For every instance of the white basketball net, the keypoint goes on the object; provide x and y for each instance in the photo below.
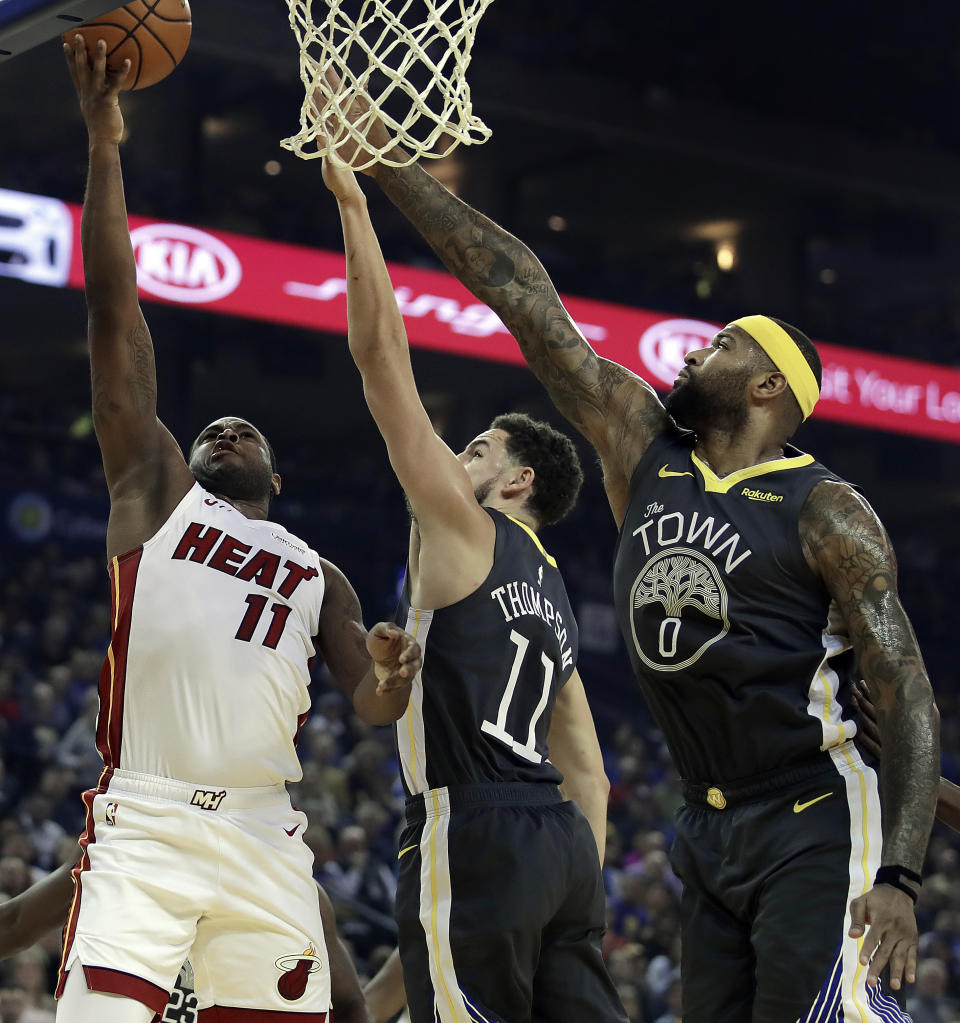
(410, 76)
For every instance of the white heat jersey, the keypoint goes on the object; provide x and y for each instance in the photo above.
(207, 678)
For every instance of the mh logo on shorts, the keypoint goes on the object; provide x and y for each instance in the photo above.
(296, 970)
(110, 813)
(207, 800)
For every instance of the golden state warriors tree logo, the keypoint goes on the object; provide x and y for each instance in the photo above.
(678, 608)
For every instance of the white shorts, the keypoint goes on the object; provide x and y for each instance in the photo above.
(174, 871)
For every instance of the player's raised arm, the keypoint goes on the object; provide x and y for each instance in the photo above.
(617, 411)
(145, 470)
(376, 668)
(847, 545)
(438, 488)
(612, 407)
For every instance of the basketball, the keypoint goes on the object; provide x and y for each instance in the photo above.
(152, 34)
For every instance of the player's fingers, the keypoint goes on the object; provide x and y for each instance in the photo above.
(911, 970)
(68, 52)
(100, 60)
(898, 961)
(874, 952)
(118, 78)
(879, 962)
(79, 65)
(858, 913)
(392, 681)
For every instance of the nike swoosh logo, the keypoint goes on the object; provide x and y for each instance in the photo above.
(665, 472)
(799, 807)
(407, 849)
(290, 831)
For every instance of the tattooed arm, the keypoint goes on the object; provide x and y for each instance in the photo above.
(145, 470)
(846, 545)
(613, 408)
(868, 738)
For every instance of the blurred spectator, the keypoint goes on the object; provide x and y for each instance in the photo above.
(927, 1004)
(15, 1008)
(36, 818)
(674, 1004)
(78, 747)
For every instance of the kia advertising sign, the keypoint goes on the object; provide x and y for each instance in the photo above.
(182, 264)
(243, 276)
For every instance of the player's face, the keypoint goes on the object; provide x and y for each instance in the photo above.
(486, 460)
(711, 390)
(230, 457)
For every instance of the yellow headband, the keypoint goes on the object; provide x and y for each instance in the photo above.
(786, 356)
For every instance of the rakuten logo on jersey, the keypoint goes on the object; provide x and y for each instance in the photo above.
(664, 346)
(183, 264)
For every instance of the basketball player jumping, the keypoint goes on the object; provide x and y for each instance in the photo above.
(500, 900)
(746, 578)
(192, 849)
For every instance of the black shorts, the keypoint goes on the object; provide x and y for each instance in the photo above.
(765, 909)
(500, 906)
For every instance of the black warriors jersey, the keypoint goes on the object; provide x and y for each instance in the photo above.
(729, 631)
(493, 664)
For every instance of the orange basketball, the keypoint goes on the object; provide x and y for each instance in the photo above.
(152, 34)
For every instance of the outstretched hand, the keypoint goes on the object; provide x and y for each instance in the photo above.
(97, 89)
(892, 937)
(358, 113)
(397, 657)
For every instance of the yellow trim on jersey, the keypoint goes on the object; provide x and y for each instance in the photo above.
(714, 484)
(864, 864)
(434, 901)
(828, 704)
(115, 564)
(534, 537)
(413, 740)
(786, 356)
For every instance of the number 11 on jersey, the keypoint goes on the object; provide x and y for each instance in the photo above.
(256, 603)
(498, 729)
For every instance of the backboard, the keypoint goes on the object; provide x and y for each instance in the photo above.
(27, 23)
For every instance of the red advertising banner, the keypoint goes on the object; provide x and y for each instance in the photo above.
(244, 276)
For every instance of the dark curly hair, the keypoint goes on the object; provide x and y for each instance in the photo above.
(553, 458)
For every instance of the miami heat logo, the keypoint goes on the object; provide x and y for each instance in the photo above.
(678, 609)
(296, 970)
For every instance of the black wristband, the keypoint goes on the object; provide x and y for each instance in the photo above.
(894, 876)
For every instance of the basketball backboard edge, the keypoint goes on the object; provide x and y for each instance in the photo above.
(27, 23)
